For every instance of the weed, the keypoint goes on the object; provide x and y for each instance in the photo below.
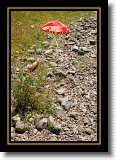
(30, 95)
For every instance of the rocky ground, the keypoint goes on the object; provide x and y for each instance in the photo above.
(72, 67)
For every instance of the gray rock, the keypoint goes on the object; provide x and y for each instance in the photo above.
(60, 73)
(85, 49)
(53, 139)
(31, 119)
(71, 72)
(92, 41)
(59, 50)
(21, 127)
(56, 129)
(93, 31)
(50, 119)
(35, 131)
(45, 43)
(61, 91)
(12, 135)
(53, 64)
(42, 124)
(88, 131)
(71, 43)
(32, 59)
(12, 129)
(66, 104)
(49, 51)
(75, 48)
(86, 121)
(16, 118)
(74, 115)
(39, 50)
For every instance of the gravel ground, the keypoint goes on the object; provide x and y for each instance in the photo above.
(72, 67)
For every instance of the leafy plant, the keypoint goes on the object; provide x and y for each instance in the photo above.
(31, 96)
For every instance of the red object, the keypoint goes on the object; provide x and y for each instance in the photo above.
(55, 27)
(29, 67)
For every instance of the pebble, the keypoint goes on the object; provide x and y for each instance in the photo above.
(66, 104)
(16, 118)
(61, 91)
(31, 119)
(42, 124)
(75, 48)
(49, 51)
(45, 43)
(92, 41)
(21, 127)
(88, 131)
(53, 139)
(35, 131)
(86, 121)
(56, 129)
(12, 135)
(12, 129)
(50, 119)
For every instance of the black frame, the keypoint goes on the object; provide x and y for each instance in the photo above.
(102, 144)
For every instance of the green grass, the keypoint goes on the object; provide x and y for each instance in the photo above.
(23, 35)
(30, 95)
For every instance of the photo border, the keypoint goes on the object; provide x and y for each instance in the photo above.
(98, 9)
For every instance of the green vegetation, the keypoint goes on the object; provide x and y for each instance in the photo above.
(25, 26)
(30, 95)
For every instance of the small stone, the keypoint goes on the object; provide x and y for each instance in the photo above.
(35, 131)
(81, 52)
(17, 69)
(60, 73)
(74, 115)
(86, 121)
(56, 129)
(31, 51)
(66, 103)
(50, 119)
(93, 55)
(75, 48)
(53, 139)
(67, 37)
(85, 49)
(53, 64)
(16, 118)
(31, 119)
(71, 43)
(39, 50)
(61, 91)
(17, 52)
(88, 131)
(32, 59)
(45, 43)
(42, 124)
(32, 26)
(12, 135)
(49, 51)
(92, 41)
(59, 50)
(71, 72)
(21, 127)
(93, 31)
(12, 129)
